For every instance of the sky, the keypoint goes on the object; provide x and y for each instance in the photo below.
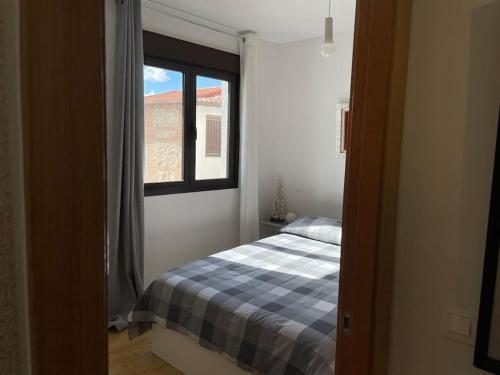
(157, 81)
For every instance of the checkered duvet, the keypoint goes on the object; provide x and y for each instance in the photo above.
(270, 305)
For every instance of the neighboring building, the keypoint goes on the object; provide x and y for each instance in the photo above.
(163, 119)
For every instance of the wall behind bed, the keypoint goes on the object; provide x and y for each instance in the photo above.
(300, 89)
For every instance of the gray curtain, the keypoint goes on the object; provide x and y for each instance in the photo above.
(125, 163)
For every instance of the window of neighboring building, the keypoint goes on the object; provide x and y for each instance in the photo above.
(213, 135)
(190, 117)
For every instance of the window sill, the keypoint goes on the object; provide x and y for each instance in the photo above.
(167, 189)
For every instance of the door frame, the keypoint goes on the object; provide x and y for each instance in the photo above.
(65, 149)
(378, 87)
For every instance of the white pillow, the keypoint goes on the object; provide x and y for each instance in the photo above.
(316, 228)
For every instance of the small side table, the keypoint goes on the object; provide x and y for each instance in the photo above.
(270, 228)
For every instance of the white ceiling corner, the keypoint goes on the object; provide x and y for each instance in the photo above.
(277, 21)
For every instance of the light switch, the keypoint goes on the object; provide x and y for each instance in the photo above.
(457, 324)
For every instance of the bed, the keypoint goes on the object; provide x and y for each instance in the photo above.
(269, 306)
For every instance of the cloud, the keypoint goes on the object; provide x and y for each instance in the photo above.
(153, 74)
(152, 92)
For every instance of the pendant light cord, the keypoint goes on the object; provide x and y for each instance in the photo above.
(329, 8)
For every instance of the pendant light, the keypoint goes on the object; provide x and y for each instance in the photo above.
(328, 46)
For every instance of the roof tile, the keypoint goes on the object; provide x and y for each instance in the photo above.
(206, 95)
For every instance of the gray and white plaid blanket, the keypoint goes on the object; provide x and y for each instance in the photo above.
(270, 305)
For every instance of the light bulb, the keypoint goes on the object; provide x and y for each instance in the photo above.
(327, 49)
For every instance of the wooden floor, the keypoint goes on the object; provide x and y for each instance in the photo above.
(135, 357)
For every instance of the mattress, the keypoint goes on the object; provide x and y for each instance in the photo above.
(270, 305)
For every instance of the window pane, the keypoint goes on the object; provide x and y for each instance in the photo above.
(163, 124)
(212, 119)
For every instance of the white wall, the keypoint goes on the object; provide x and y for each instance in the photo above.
(183, 227)
(14, 330)
(447, 155)
(299, 90)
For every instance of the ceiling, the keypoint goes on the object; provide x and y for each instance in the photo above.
(277, 21)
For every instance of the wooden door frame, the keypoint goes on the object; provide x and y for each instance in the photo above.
(64, 147)
(65, 180)
(378, 86)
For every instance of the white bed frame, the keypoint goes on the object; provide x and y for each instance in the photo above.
(188, 356)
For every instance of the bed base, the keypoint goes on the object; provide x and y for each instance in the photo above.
(186, 355)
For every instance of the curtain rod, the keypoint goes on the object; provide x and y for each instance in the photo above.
(190, 18)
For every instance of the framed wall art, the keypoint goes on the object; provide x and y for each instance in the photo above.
(487, 351)
(343, 129)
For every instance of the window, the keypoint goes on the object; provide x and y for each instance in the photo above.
(213, 137)
(190, 117)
